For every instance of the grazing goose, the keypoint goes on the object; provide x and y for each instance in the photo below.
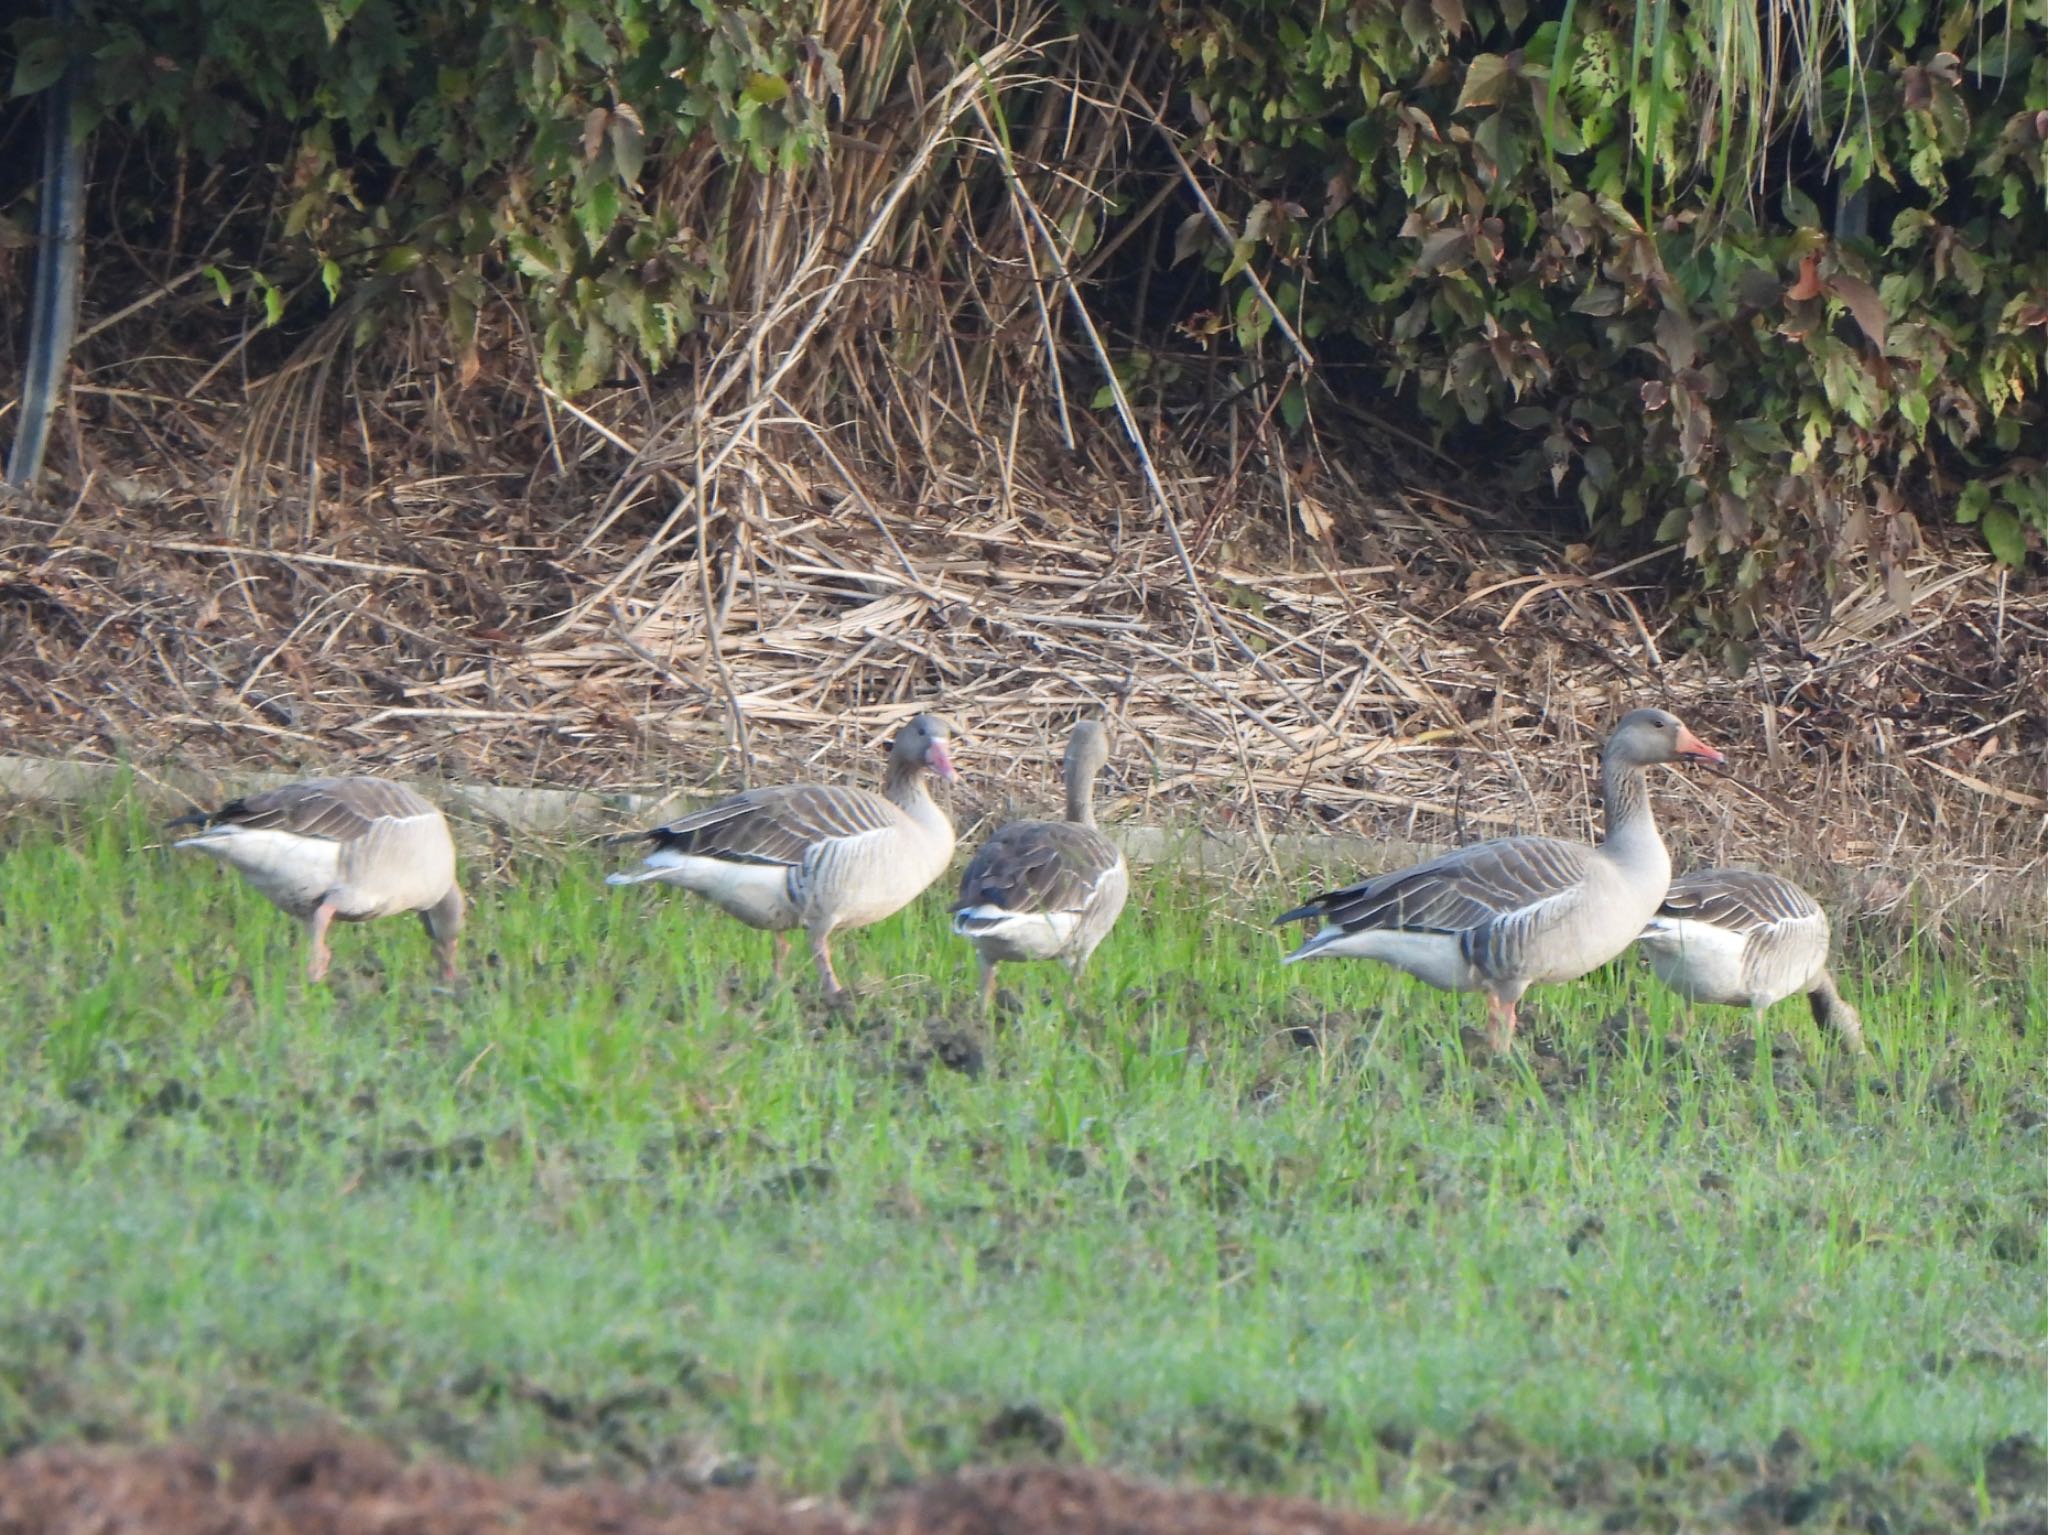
(1743, 939)
(1502, 916)
(1046, 889)
(340, 850)
(811, 856)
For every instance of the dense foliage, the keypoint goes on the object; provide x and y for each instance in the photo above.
(1778, 299)
(1633, 281)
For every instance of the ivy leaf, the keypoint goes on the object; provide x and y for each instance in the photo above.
(39, 65)
(629, 145)
(598, 212)
(1438, 248)
(1801, 209)
(586, 35)
(1861, 300)
(532, 256)
(1484, 77)
(2004, 536)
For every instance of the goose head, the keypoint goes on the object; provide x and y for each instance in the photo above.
(1647, 736)
(920, 746)
(443, 922)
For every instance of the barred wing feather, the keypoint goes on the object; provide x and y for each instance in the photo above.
(776, 826)
(1037, 867)
(332, 809)
(1738, 900)
(1458, 891)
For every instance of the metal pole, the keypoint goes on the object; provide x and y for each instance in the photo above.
(53, 313)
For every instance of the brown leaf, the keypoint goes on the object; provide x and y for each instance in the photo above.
(594, 124)
(1316, 520)
(1675, 338)
(1861, 300)
(1808, 285)
(1484, 78)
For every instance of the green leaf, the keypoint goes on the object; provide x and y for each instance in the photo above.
(40, 65)
(330, 275)
(585, 34)
(1293, 407)
(1973, 502)
(1485, 78)
(1800, 209)
(221, 285)
(597, 213)
(766, 89)
(533, 257)
(629, 148)
(2004, 536)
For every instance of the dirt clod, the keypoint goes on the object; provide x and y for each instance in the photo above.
(2015, 1467)
(804, 1182)
(1025, 1426)
(957, 1050)
(319, 1485)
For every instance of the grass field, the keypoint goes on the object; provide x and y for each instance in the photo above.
(620, 1201)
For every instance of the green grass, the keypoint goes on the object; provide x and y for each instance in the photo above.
(621, 1201)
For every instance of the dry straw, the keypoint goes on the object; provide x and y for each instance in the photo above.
(878, 487)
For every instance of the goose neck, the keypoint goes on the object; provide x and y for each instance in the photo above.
(906, 788)
(1631, 825)
(1081, 796)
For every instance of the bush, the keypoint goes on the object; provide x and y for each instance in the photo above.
(1616, 301)
(1590, 236)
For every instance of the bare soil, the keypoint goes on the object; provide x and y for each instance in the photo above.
(317, 1485)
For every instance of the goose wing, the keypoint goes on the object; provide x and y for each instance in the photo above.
(1038, 867)
(1459, 891)
(776, 826)
(331, 809)
(1739, 901)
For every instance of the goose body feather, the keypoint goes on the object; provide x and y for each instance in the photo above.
(1502, 916)
(1736, 937)
(1046, 889)
(802, 855)
(340, 850)
(375, 848)
(1042, 890)
(814, 856)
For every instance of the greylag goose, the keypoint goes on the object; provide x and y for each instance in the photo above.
(1502, 916)
(1739, 938)
(811, 856)
(1046, 889)
(340, 850)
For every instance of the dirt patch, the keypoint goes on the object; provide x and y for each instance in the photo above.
(327, 1486)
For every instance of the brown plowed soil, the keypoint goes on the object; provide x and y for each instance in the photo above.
(328, 1486)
